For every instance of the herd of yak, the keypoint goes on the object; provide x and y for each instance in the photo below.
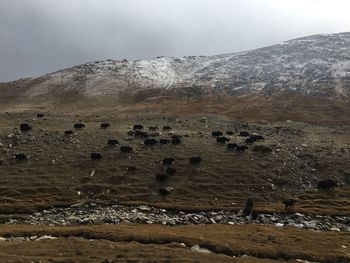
(138, 132)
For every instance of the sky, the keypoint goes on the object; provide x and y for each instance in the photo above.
(42, 36)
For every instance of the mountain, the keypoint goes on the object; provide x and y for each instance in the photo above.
(316, 67)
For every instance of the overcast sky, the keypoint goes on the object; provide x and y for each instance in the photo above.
(41, 36)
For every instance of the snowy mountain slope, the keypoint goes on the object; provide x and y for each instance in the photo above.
(317, 65)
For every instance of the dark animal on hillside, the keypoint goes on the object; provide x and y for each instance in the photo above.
(250, 140)
(232, 146)
(24, 127)
(141, 134)
(79, 126)
(20, 157)
(167, 128)
(257, 137)
(262, 149)
(244, 134)
(163, 141)
(241, 148)
(162, 177)
(288, 203)
(216, 133)
(170, 171)
(153, 128)
(68, 132)
(112, 142)
(150, 142)
(327, 184)
(95, 156)
(168, 161)
(230, 133)
(165, 191)
(40, 115)
(131, 169)
(105, 125)
(195, 160)
(248, 208)
(126, 149)
(254, 215)
(222, 139)
(176, 141)
(138, 127)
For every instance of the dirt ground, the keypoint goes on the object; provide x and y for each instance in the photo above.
(156, 243)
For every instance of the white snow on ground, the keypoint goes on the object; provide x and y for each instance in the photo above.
(289, 66)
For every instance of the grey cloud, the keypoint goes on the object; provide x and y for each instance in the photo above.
(40, 36)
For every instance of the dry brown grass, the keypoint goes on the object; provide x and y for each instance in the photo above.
(254, 240)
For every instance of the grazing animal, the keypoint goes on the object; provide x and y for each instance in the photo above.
(150, 142)
(153, 128)
(195, 160)
(165, 191)
(241, 148)
(168, 161)
(230, 133)
(112, 142)
(79, 126)
(170, 171)
(167, 128)
(222, 139)
(126, 149)
(68, 132)
(254, 215)
(95, 156)
(20, 157)
(163, 141)
(141, 134)
(262, 149)
(216, 133)
(248, 209)
(25, 127)
(250, 140)
(327, 184)
(131, 169)
(162, 177)
(40, 115)
(176, 140)
(105, 125)
(244, 134)
(138, 127)
(257, 137)
(232, 146)
(288, 203)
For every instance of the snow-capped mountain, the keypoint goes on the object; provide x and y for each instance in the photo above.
(317, 65)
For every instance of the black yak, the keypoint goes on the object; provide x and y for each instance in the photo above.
(150, 142)
(95, 156)
(126, 149)
(25, 127)
(222, 139)
(327, 184)
(105, 125)
(195, 160)
(79, 126)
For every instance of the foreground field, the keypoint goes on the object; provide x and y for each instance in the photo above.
(156, 243)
